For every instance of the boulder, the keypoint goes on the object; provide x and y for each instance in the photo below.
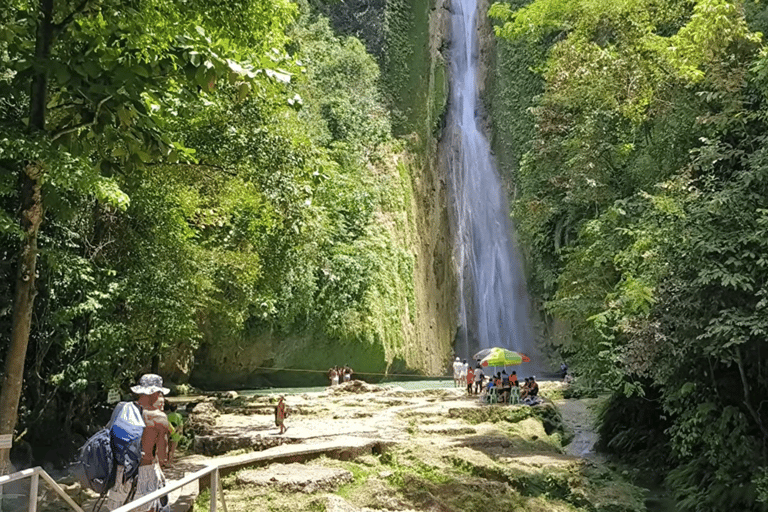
(333, 503)
(355, 386)
(202, 419)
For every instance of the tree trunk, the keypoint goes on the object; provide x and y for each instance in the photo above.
(31, 217)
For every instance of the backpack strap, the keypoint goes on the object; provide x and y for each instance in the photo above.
(99, 502)
(103, 496)
(132, 492)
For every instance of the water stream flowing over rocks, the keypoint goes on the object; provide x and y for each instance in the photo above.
(494, 307)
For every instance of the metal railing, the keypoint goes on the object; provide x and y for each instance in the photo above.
(217, 492)
(34, 474)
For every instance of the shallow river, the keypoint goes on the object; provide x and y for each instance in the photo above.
(405, 384)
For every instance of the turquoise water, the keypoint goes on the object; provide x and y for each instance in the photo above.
(406, 384)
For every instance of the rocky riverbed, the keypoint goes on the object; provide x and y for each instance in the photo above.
(429, 450)
(363, 448)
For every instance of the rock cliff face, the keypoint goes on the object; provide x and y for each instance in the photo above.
(435, 270)
(409, 47)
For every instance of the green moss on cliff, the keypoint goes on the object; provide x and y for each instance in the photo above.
(381, 298)
(439, 96)
(514, 89)
(406, 68)
(397, 34)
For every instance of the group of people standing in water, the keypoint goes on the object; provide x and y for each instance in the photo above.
(338, 374)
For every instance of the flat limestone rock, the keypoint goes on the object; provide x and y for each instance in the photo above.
(228, 441)
(296, 477)
(338, 504)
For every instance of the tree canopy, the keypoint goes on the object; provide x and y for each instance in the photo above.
(171, 179)
(641, 203)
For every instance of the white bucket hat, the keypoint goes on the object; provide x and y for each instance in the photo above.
(150, 383)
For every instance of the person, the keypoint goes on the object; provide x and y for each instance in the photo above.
(524, 389)
(464, 369)
(478, 379)
(280, 413)
(563, 370)
(154, 448)
(334, 376)
(177, 432)
(533, 387)
(490, 388)
(505, 387)
(175, 425)
(513, 379)
(457, 372)
(470, 380)
(347, 373)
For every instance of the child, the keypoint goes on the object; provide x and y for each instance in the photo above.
(280, 414)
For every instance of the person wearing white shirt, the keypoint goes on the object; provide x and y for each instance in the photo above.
(457, 372)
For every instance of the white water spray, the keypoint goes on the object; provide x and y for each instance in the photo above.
(494, 307)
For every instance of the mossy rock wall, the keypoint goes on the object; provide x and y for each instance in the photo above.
(408, 321)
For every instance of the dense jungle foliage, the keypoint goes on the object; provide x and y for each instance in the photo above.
(641, 171)
(200, 179)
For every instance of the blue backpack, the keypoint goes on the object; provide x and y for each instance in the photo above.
(125, 429)
(95, 468)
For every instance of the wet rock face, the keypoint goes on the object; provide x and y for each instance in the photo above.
(296, 478)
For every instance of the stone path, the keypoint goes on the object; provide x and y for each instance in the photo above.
(578, 414)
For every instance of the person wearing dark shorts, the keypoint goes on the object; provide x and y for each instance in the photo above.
(505, 387)
(280, 414)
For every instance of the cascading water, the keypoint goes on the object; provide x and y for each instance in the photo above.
(493, 302)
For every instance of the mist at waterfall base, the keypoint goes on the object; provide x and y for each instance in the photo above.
(494, 307)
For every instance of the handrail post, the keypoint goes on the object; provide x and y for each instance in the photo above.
(52, 483)
(221, 494)
(214, 488)
(34, 482)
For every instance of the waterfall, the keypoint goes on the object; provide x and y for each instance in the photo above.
(493, 301)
